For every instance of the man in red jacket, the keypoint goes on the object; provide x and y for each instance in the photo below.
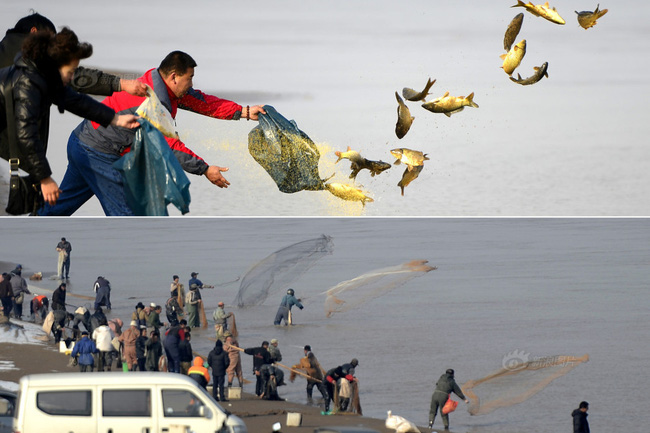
(93, 150)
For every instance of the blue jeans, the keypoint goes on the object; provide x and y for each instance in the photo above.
(89, 173)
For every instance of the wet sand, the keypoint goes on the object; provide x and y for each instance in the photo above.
(259, 415)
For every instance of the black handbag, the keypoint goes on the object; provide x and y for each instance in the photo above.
(25, 196)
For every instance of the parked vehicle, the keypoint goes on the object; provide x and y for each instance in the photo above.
(7, 404)
(142, 402)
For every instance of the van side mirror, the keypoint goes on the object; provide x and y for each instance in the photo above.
(204, 412)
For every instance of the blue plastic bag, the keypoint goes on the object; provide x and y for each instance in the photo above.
(153, 177)
(287, 154)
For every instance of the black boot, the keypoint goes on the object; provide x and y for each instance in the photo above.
(344, 404)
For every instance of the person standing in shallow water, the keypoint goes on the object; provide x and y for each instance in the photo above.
(288, 301)
(64, 248)
(580, 423)
(444, 387)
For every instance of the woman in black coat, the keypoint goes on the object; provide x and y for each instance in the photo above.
(40, 78)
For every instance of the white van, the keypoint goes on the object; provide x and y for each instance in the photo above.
(116, 402)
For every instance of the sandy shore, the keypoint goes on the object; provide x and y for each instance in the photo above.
(259, 415)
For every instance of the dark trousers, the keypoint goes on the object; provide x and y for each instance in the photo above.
(18, 310)
(66, 267)
(141, 362)
(259, 384)
(218, 391)
(7, 305)
(85, 367)
(320, 386)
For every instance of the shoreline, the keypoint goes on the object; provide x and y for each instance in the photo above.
(259, 415)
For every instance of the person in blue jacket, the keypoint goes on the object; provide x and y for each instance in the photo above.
(85, 349)
(288, 301)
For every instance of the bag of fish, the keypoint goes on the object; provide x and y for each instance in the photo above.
(287, 154)
(153, 177)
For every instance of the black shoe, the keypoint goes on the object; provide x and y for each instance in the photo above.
(224, 399)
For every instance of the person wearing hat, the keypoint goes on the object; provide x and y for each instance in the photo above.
(444, 387)
(103, 290)
(153, 321)
(129, 338)
(192, 300)
(341, 376)
(138, 315)
(20, 289)
(580, 423)
(64, 248)
(199, 373)
(85, 349)
(310, 365)
(221, 321)
(276, 356)
(261, 356)
(284, 311)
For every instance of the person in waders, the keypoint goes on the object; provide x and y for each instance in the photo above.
(284, 311)
(444, 387)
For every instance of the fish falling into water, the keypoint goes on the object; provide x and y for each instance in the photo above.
(449, 105)
(540, 72)
(587, 19)
(412, 158)
(412, 95)
(514, 57)
(347, 192)
(359, 163)
(409, 176)
(404, 118)
(544, 11)
(512, 31)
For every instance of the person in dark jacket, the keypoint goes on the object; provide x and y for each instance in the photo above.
(342, 376)
(261, 356)
(141, 349)
(186, 354)
(172, 310)
(40, 78)
(81, 315)
(61, 318)
(272, 377)
(153, 321)
(172, 339)
(580, 423)
(218, 360)
(20, 289)
(85, 349)
(6, 294)
(58, 297)
(154, 351)
(444, 387)
(102, 290)
(65, 265)
(97, 319)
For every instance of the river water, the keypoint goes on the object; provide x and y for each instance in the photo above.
(542, 287)
(573, 144)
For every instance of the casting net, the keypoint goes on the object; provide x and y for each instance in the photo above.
(516, 382)
(280, 269)
(352, 293)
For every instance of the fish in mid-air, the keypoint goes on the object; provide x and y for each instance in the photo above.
(404, 118)
(512, 31)
(375, 167)
(347, 192)
(409, 176)
(587, 19)
(412, 95)
(544, 11)
(540, 72)
(350, 154)
(359, 163)
(449, 105)
(514, 57)
(412, 158)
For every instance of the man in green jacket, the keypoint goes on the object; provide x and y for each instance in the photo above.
(444, 387)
